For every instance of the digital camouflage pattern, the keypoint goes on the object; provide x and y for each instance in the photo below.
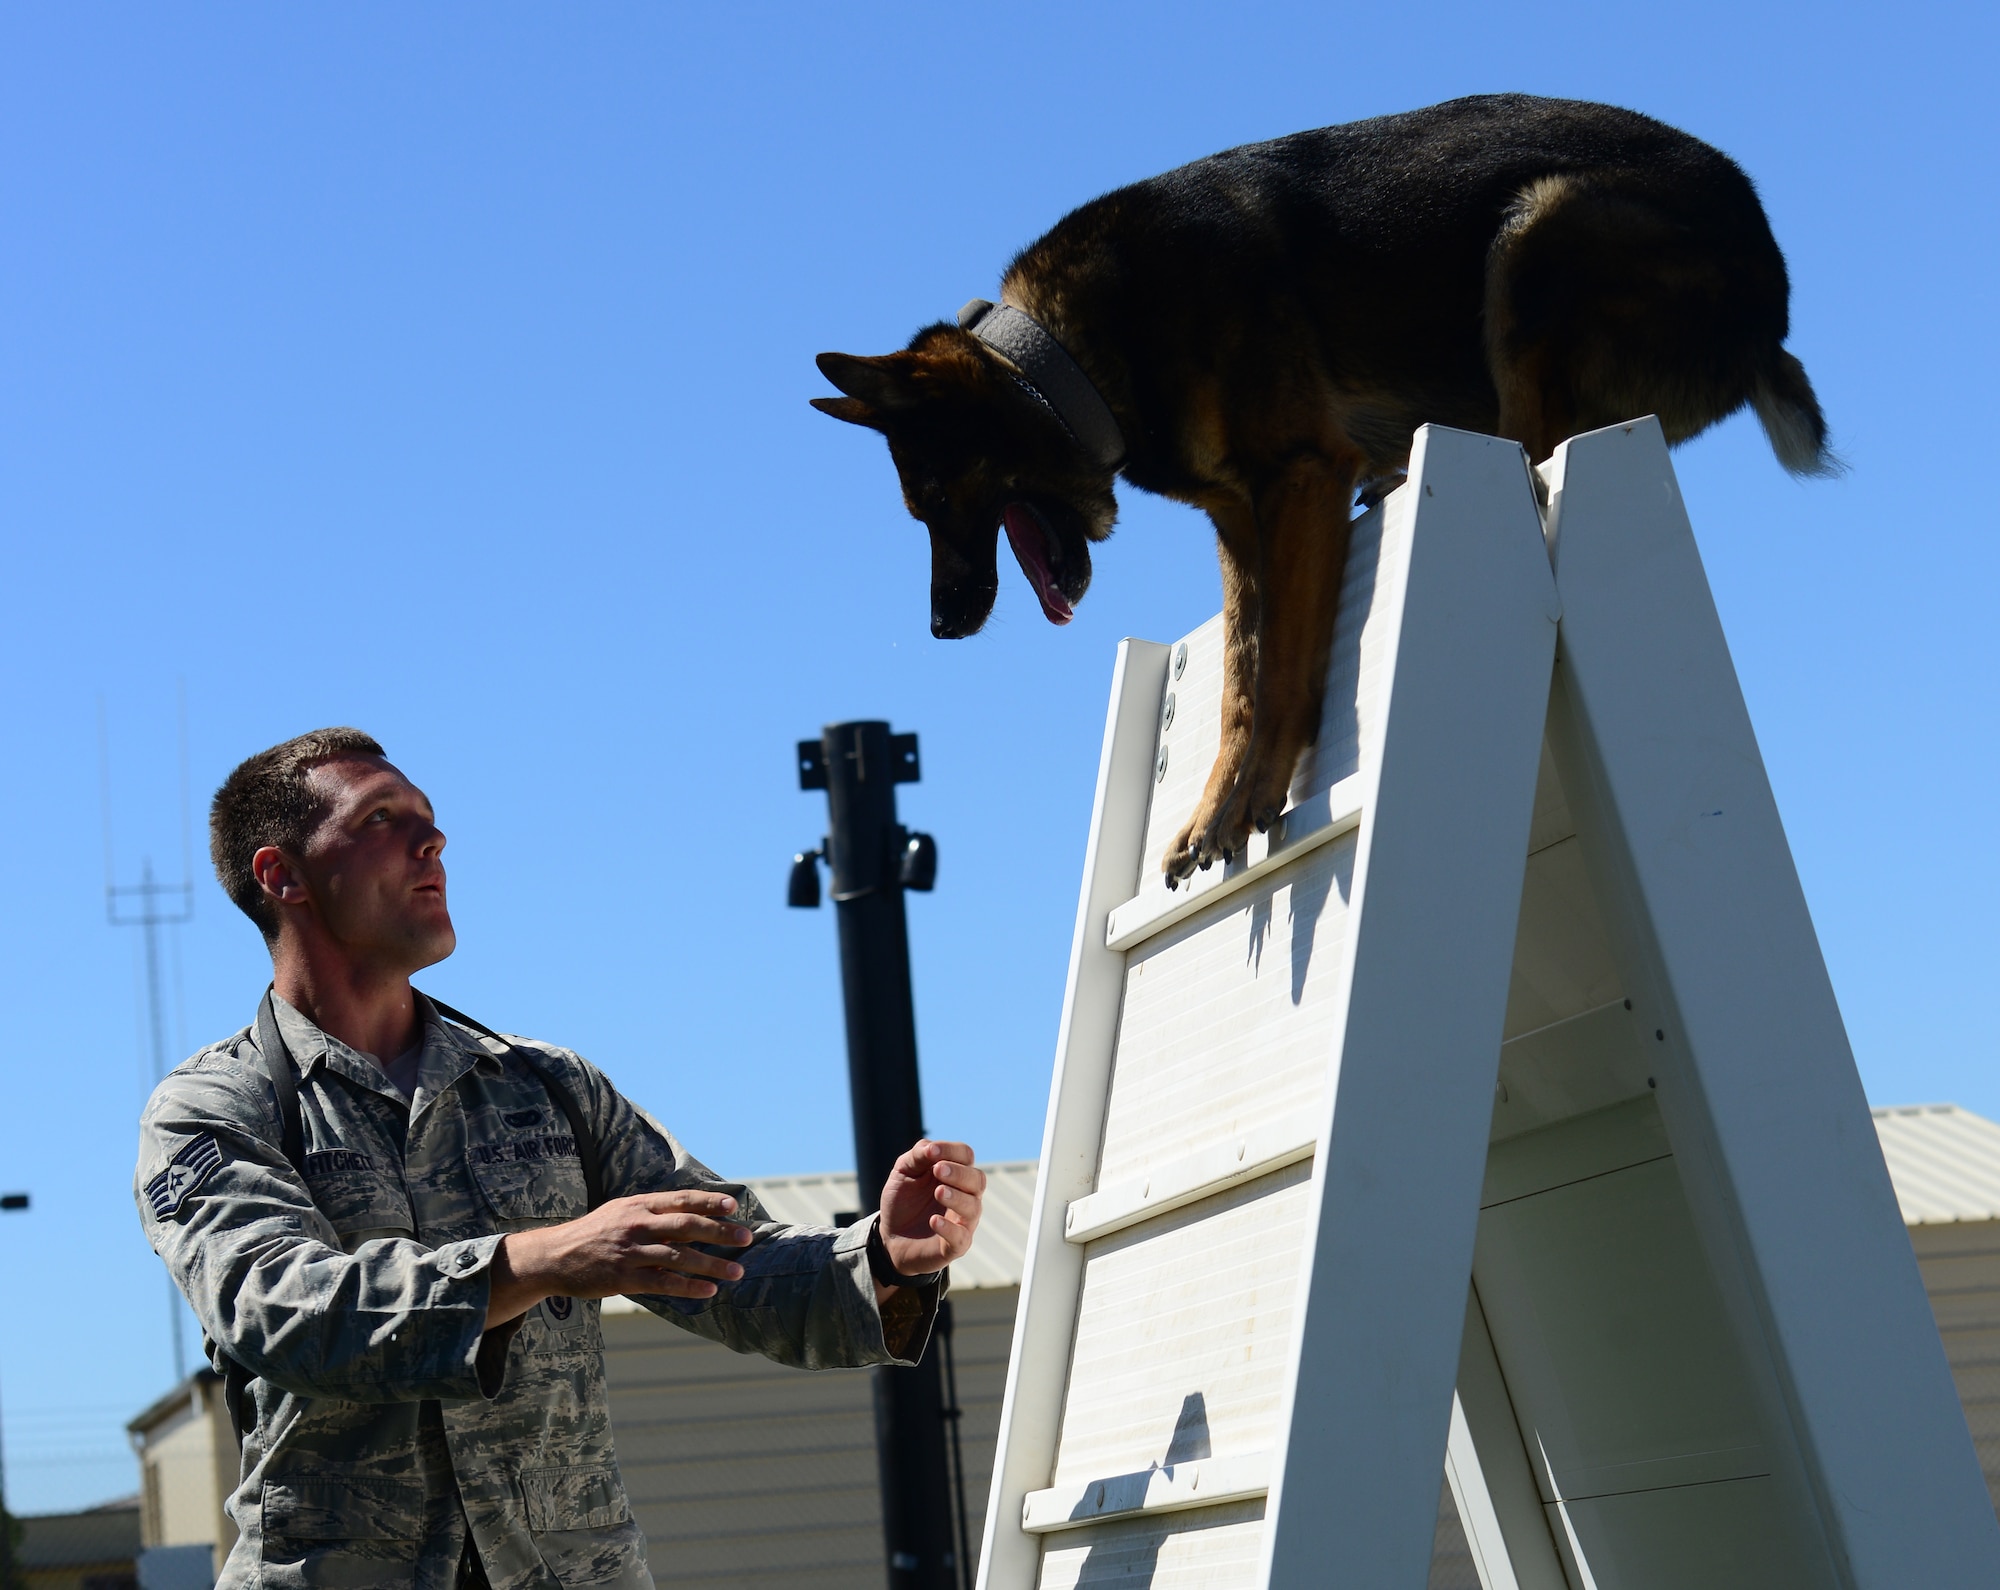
(356, 1302)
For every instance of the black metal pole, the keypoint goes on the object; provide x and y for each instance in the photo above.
(10, 1203)
(872, 859)
(6, 1533)
(954, 1415)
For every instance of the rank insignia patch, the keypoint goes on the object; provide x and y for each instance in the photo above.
(186, 1171)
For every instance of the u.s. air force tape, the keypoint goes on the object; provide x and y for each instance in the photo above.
(186, 1171)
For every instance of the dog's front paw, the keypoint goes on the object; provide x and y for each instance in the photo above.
(1207, 839)
(1255, 797)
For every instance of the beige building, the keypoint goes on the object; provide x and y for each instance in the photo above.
(1945, 1163)
(748, 1476)
(187, 1468)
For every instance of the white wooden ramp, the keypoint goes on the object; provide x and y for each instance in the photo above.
(1521, 992)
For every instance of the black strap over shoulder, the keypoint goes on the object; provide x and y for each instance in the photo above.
(279, 1066)
(282, 1069)
(558, 1091)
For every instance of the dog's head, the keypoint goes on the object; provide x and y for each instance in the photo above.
(978, 452)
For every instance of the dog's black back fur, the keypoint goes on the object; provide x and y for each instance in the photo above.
(1371, 241)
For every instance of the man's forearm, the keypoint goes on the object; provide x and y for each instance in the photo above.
(394, 1322)
(513, 1292)
(519, 1276)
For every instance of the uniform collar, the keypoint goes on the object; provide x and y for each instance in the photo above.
(306, 1042)
(449, 1052)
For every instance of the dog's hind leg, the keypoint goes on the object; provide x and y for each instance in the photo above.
(1278, 633)
(1523, 313)
(1606, 300)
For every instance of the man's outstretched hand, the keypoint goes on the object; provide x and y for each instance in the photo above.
(930, 1208)
(642, 1244)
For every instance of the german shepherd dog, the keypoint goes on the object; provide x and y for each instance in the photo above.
(1267, 328)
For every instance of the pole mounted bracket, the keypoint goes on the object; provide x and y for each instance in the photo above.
(905, 767)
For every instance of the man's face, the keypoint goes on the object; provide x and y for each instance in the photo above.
(373, 868)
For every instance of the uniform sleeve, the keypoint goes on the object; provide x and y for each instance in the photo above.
(806, 1298)
(264, 1272)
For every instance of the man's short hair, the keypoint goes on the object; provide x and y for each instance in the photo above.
(269, 800)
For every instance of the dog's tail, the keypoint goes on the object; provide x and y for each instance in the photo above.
(1784, 401)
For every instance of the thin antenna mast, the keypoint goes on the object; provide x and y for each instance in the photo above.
(187, 827)
(144, 905)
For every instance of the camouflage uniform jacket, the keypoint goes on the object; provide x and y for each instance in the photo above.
(384, 1418)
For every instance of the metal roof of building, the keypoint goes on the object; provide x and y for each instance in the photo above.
(1945, 1162)
(997, 1255)
(98, 1537)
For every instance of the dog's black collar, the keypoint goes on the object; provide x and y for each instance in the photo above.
(1050, 375)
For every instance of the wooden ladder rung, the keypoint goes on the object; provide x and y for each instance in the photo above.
(1200, 1175)
(1308, 825)
(1199, 1482)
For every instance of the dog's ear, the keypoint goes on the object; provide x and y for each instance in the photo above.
(852, 410)
(881, 383)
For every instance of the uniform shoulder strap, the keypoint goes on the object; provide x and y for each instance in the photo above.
(558, 1091)
(282, 1070)
(279, 1067)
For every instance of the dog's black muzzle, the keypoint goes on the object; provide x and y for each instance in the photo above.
(956, 614)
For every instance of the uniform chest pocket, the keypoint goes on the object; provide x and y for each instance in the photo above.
(357, 1193)
(531, 1174)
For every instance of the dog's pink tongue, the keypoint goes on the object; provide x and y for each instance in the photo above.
(1024, 535)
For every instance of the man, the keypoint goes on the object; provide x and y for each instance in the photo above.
(381, 1218)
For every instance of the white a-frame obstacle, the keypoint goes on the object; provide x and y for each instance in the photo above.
(1521, 991)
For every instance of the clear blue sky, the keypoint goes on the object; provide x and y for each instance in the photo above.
(443, 370)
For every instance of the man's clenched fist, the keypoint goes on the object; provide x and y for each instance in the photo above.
(930, 1207)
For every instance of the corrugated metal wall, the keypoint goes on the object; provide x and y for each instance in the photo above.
(1961, 1265)
(749, 1476)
